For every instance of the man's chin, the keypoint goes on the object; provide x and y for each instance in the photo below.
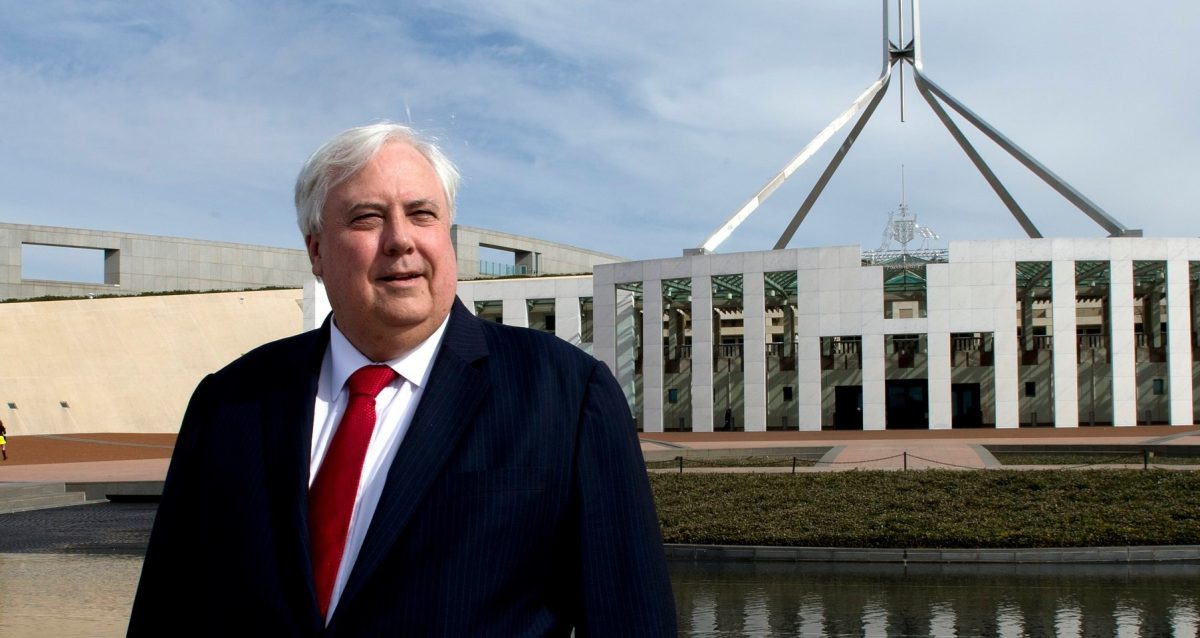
(403, 315)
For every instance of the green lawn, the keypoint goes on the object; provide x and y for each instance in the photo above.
(1091, 458)
(932, 508)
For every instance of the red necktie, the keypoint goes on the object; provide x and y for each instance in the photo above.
(332, 495)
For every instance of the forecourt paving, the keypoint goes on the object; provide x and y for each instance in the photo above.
(144, 457)
(135, 464)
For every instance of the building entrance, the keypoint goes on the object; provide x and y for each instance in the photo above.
(965, 405)
(907, 404)
(847, 407)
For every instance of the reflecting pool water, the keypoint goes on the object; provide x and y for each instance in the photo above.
(66, 595)
(77, 595)
(768, 599)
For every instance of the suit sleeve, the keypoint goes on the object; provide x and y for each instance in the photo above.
(624, 582)
(157, 605)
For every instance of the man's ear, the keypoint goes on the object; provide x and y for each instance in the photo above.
(313, 244)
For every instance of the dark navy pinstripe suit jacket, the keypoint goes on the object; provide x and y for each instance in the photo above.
(517, 504)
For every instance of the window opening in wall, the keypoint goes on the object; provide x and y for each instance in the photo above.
(841, 382)
(1035, 342)
(906, 381)
(841, 353)
(728, 344)
(779, 325)
(586, 326)
(905, 349)
(1194, 315)
(540, 313)
(676, 329)
(490, 310)
(904, 290)
(972, 380)
(971, 349)
(68, 264)
(1151, 353)
(1093, 319)
(497, 261)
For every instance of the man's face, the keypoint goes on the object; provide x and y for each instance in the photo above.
(384, 253)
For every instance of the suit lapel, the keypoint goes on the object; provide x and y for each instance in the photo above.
(287, 420)
(448, 406)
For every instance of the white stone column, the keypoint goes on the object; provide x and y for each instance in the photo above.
(702, 354)
(1066, 349)
(626, 343)
(808, 340)
(652, 356)
(1005, 358)
(754, 351)
(515, 312)
(316, 303)
(1179, 346)
(1124, 349)
(874, 356)
(10, 265)
(604, 321)
(466, 294)
(568, 320)
(1005, 367)
(874, 350)
(808, 375)
(937, 340)
(938, 366)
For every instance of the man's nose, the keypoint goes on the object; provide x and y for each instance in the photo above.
(396, 238)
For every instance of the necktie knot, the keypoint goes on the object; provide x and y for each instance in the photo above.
(369, 380)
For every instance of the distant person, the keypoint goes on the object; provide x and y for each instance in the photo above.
(3, 441)
(502, 492)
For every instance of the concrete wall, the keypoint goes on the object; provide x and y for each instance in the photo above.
(135, 264)
(536, 256)
(126, 364)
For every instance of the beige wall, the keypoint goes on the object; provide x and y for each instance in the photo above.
(126, 365)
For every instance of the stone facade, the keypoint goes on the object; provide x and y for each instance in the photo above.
(1114, 349)
(136, 264)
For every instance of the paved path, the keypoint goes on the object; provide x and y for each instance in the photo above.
(924, 448)
(144, 457)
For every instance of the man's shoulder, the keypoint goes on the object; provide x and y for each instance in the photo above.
(289, 354)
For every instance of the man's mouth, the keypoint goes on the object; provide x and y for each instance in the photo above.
(401, 276)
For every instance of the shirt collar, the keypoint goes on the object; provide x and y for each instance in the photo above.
(414, 366)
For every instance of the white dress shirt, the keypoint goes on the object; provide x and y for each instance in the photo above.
(394, 408)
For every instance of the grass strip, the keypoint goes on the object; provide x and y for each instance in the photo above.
(932, 508)
(1090, 458)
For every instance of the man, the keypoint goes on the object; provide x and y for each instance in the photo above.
(501, 490)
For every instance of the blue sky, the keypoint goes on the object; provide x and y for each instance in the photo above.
(634, 128)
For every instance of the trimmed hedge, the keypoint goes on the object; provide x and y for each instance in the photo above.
(932, 508)
(1091, 458)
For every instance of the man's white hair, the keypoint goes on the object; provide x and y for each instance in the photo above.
(347, 153)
